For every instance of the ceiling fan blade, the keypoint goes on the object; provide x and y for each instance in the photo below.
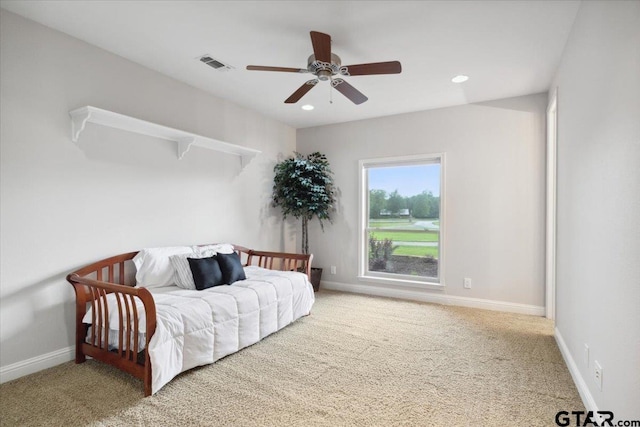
(349, 91)
(391, 67)
(302, 91)
(321, 46)
(283, 69)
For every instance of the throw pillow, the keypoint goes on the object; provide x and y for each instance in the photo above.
(231, 267)
(206, 272)
(184, 277)
(153, 268)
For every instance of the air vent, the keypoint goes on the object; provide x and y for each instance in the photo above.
(214, 63)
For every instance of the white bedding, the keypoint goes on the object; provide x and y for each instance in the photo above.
(196, 328)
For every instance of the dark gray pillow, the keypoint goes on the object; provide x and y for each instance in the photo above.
(206, 272)
(231, 267)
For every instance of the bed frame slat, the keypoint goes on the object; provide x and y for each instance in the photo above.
(127, 328)
(135, 328)
(100, 314)
(106, 320)
(121, 272)
(93, 316)
(120, 334)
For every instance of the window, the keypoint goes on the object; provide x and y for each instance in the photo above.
(401, 211)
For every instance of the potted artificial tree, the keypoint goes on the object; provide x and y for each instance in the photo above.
(303, 188)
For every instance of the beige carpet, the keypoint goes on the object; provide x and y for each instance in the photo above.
(356, 360)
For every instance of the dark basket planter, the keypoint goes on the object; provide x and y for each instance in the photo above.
(316, 274)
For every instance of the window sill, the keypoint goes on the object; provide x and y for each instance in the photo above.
(402, 282)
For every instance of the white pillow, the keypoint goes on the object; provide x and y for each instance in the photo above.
(184, 276)
(222, 248)
(154, 268)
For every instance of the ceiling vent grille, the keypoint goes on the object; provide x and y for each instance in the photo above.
(214, 63)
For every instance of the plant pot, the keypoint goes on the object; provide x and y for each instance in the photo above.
(316, 274)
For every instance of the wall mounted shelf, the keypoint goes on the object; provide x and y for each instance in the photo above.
(184, 140)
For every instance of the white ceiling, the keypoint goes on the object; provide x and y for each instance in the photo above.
(507, 48)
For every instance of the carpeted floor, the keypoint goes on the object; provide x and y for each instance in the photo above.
(356, 360)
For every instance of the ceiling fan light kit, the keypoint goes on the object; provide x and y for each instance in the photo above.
(326, 65)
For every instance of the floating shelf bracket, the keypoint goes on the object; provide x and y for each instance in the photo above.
(184, 144)
(79, 120)
(184, 140)
(244, 160)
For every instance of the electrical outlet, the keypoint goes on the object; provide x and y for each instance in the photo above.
(467, 283)
(585, 356)
(597, 374)
(333, 269)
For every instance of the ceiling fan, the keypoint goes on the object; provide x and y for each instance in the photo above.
(326, 65)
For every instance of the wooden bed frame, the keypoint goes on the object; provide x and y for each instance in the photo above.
(94, 282)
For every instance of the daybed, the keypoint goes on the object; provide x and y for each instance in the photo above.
(155, 333)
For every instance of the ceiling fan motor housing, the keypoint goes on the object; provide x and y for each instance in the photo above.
(324, 70)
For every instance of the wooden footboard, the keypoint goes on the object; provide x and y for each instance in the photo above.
(92, 292)
(107, 279)
(281, 261)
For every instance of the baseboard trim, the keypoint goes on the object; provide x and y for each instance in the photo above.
(586, 396)
(35, 364)
(437, 298)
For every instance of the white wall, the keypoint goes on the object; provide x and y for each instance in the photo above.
(598, 245)
(64, 206)
(494, 195)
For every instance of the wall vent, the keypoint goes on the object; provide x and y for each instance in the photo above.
(214, 63)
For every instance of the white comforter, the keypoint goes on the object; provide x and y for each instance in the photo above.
(196, 328)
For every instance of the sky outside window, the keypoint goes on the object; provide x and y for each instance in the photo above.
(408, 180)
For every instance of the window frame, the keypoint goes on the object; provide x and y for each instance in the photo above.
(364, 274)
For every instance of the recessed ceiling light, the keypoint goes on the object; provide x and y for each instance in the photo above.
(307, 107)
(460, 78)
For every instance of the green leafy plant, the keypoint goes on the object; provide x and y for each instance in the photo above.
(303, 188)
(379, 253)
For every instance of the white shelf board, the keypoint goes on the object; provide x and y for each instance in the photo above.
(184, 140)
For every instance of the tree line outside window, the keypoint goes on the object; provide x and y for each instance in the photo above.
(383, 205)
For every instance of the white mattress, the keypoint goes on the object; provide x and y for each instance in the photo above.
(196, 328)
